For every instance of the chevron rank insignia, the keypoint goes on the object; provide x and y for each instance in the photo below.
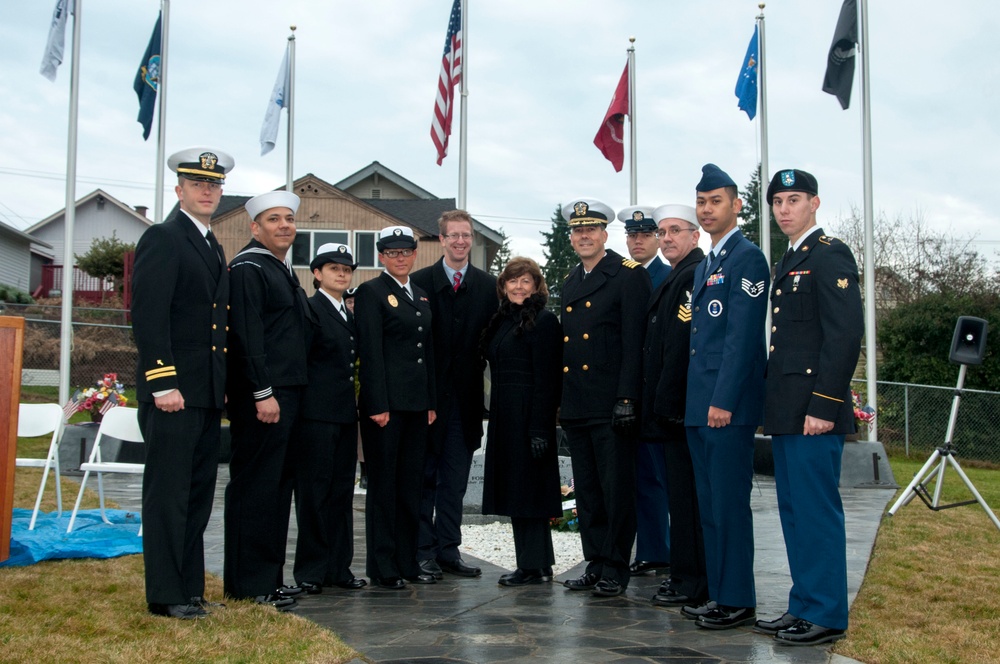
(684, 310)
(752, 289)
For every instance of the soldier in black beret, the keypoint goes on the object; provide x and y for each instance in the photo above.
(816, 331)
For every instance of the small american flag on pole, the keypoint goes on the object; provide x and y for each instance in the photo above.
(451, 75)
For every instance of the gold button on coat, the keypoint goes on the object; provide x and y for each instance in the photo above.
(586, 336)
(569, 309)
(586, 368)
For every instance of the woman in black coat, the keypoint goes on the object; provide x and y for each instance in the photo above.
(523, 345)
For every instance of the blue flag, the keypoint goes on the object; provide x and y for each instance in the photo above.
(147, 80)
(746, 84)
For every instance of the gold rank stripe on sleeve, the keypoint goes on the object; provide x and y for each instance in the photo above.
(162, 372)
(629, 263)
(830, 398)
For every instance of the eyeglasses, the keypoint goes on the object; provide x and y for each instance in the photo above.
(455, 237)
(395, 253)
(673, 231)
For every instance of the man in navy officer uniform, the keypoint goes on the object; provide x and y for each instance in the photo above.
(665, 357)
(652, 528)
(725, 399)
(397, 407)
(816, 331)
(326, 435)
(180, 307)
(267, 374)
(603, 306)
(463, 299)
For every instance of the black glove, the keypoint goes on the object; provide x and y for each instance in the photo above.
(624, 418)
(538, 447)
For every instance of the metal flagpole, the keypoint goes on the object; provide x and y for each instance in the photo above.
(633, 186)
(290, 100)
(463, 162)
(161, 89)
(765, 211)
(866, 141)
(66, 328)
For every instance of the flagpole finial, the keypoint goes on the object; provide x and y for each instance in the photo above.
(291, 37)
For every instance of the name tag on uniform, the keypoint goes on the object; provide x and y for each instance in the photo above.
(716, 279)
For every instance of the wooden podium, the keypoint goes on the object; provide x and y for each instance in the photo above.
(11, 348)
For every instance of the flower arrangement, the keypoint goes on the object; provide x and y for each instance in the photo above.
(863, 415)
(569, 521)
(105, 395)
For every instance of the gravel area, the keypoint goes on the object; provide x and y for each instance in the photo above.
(494, 543)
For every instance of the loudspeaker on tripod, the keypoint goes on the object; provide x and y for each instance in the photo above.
(968, 345)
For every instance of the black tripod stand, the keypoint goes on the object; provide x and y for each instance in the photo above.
(968, 347)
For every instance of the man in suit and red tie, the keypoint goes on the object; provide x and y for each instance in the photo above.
(725, 400)
(326, 433)
(180, 298)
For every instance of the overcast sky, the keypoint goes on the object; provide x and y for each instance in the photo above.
(541, 74)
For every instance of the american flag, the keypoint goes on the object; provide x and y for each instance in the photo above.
(451, 75)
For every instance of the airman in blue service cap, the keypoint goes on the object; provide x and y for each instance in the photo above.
(587, 212)
(638, 219)
(201, 164)
(792, 180)
(712, 178)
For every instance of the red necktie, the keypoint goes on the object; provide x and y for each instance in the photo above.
(458, 281)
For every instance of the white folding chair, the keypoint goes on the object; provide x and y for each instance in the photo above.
(121, 423)
(39, 419)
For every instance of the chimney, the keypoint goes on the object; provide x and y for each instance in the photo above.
(141, 209)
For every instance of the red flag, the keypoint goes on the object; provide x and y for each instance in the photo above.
(610, 139)
(451, 75)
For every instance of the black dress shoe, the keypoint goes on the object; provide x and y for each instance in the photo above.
(772, 627)
(586, 581)
(421, 579)
(205, 604)
(431, 568)
(278, 601)
(607, 588)
(694, 611)
(641, 567)
(459, 567)
(670, 597)
(805, 633)
(727, 617)
(524, 577)
(389, 582)
(179, 611)
(300, 588)
(353, 584)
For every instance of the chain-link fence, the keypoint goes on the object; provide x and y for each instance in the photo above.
(913, 419)
(102, 344)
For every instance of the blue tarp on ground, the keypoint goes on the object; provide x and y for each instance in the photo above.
(91, 537)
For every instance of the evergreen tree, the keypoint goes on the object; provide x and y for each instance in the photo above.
(559, 257)
(750, 218)
(502, 256)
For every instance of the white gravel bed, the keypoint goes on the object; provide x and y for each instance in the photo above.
(494, 543)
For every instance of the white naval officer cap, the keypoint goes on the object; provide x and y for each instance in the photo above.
(201, 164)
(587, 212)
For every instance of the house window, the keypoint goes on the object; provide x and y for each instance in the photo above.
(307, 242)
(364, 249)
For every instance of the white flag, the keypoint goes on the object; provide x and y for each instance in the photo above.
(53, 56)
(269, 130)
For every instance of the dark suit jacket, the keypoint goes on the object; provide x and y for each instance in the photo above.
(729, 307)
(665, 350)
(396, 347)
(658, 271)
(817, 325)
(333, 348)
(603, 319)
(180, 293)
(459, 320)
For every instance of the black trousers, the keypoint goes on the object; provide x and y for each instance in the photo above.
(687, 546)
(326, 454)
(258, 497)
(604, 477)
(394, 460)
(178, 485)
(446, 477)
(533, 542)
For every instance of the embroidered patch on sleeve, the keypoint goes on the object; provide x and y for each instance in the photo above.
(752, 289)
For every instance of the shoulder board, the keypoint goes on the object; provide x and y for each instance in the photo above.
(631, 264)
(827, 239)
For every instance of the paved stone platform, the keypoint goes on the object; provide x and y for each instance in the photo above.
(478, 621)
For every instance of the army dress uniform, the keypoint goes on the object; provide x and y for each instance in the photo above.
(602, 318)
(180, 299)
(817, 326)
